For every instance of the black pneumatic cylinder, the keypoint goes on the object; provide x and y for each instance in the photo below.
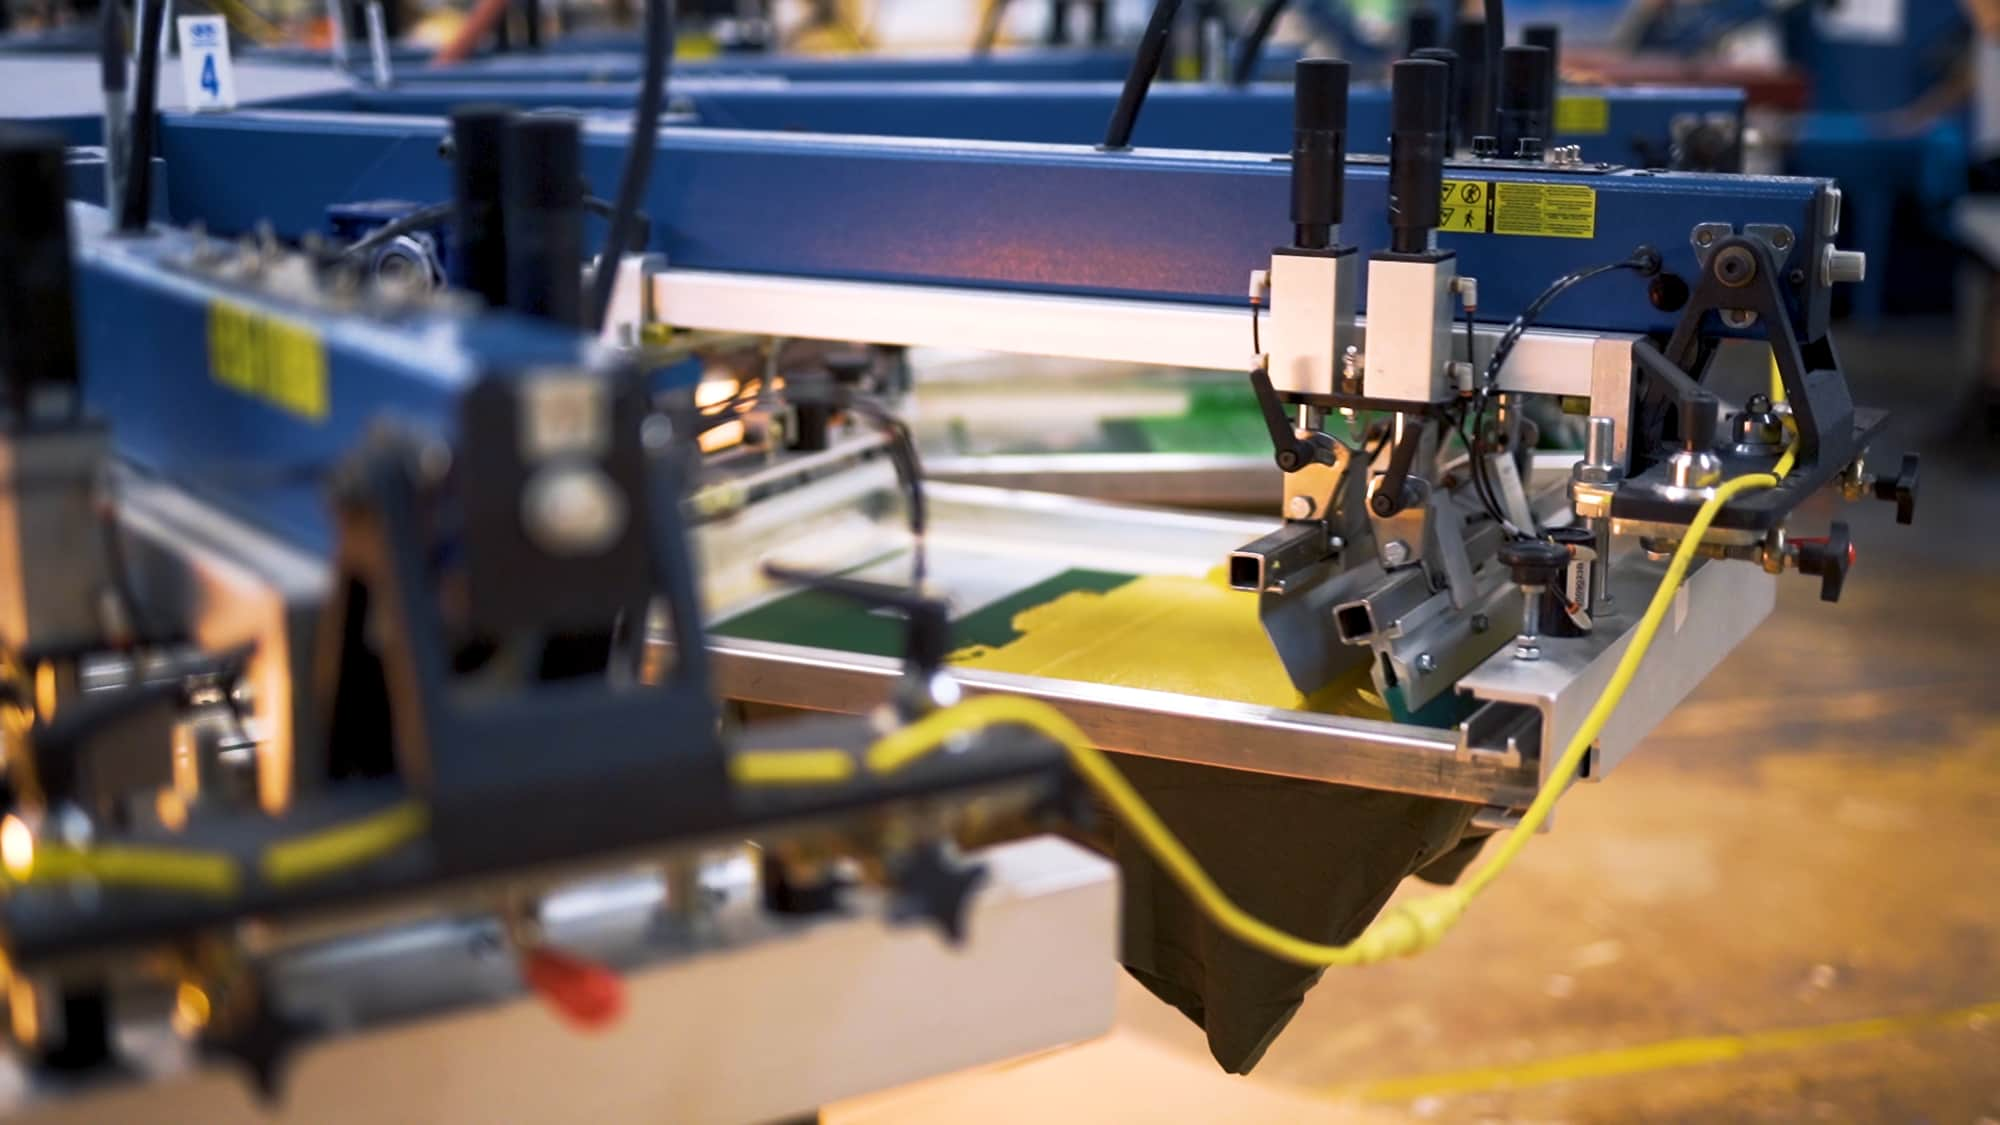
(1527, 93)
(1420, 30)
(544, 185)
(1548, 37)
(1449, 58)
(1469, 40)
(1319, 151)
(37, 295)
(1417, 149)
(479, 230)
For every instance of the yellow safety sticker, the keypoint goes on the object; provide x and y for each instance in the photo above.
(278, 361)
(1543, 210)
(1548, 210)
(1464, 207)
(1581, 116)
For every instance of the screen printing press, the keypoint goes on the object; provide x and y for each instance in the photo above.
(401, 644)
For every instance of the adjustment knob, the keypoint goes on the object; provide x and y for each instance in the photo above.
(1843, 267)
(1534, 562)
(1902, 489)
(1830, 558)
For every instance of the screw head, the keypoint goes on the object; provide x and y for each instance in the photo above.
(1704, 237)
(1427, 663)
(1299, 508)
(1395, 552)
(1481, 623)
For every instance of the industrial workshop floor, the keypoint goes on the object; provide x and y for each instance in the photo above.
(1786, 907)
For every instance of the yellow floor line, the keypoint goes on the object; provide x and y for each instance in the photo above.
(1667, 1055)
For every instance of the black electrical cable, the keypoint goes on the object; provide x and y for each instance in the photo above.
(1139, 79)
(1496, 39)
(425, 216)
(638, 158)
(137, 205)
(1251, 53)
(1644, 261)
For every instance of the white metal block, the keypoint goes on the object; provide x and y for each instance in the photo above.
(1409, 330)
(1312, 319)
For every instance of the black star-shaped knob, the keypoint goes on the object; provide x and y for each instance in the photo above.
(930, 885)
(263, 1044)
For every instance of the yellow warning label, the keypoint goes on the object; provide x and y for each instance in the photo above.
(1463, 207)
(269, 358)
(1583, 116)
(1548, 210)
(1541, 210)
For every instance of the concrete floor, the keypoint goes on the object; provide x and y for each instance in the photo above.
(1786, 907)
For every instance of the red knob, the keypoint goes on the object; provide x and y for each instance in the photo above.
(585, 993)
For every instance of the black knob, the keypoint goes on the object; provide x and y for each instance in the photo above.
(1527, 92)
(1417, 148)
(850, 366)
(1319, 150)
(1830, 558)
(1902, 489)
(1534, 562)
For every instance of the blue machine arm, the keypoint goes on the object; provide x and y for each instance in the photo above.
(1628, 125)
(1149, 224)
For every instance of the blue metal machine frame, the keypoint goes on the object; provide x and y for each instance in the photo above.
(1626, 124)
(146, 318)
(1153, 224)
